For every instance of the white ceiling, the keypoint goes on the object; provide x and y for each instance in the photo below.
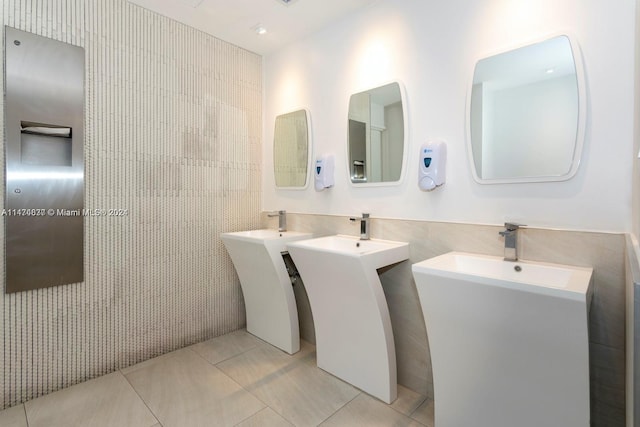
(235, 20)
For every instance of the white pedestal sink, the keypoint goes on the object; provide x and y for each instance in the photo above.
(508, 340)
(354, 340)
(268, 295)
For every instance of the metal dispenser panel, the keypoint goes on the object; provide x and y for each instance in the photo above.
(44, 128)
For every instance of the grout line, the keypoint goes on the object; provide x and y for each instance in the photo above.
(255, 413)
(340, 408)
(262, 343)
(261, 410)
(234, 381)
(26, 418)
(253, 395)
(607, 346)
(416, 410)
(424, 399)
(266, 405)
(140, 397)
(223, 360)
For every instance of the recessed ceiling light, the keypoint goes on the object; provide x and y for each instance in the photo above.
(259, 29)
(550, 70)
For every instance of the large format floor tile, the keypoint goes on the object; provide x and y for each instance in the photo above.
(303, 394)
(408, 401)
(265, 418)
(234, 380)
(365, 410)
(226, 346)
(425, 413)
(13, 417)
(105, 401)
(183, 389)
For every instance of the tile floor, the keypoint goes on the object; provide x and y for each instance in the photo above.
(232, 380)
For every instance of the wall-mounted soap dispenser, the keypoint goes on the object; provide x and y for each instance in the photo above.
(433, 162)
(323, 172)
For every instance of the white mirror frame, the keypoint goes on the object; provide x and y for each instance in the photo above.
(309, 176)
(582, 116)
(405, 150)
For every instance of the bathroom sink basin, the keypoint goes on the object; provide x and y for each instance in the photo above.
(374, 252)
(354, 339)
(267, 236)
(508, 341)
(268, 295)
(537, 277)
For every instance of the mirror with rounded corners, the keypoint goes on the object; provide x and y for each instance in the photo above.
(526, 114)
(377, 128)
(291, 150)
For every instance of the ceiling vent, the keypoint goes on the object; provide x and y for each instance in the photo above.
(193, 3)
(286, 2)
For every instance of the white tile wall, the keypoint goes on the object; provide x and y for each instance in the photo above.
(173, 134)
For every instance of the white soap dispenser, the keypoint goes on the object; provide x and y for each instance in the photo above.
(433, 162)
(323, 172)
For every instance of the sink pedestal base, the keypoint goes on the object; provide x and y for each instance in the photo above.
(504, 357)
(268, 295)
(354, 339)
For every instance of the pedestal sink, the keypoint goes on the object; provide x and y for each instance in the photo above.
(268, 295)
(508, 340)
(354, 340)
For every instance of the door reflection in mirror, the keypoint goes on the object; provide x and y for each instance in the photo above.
(376, 135)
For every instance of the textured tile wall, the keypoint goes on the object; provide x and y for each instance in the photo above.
(173, 135)
(602, 251)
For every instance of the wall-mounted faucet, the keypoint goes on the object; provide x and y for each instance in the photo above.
(282, 219)
(510, 240)
(364, 225)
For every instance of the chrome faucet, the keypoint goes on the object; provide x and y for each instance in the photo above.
(282, 219)
(364, 225)
(510, 235)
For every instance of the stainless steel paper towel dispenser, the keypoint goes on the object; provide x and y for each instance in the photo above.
(44, 128)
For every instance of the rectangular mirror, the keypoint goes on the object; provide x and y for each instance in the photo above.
(526, 114)
(291, 150)
(376, 146)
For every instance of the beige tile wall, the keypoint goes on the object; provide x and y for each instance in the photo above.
(602, 251)
(173, 134)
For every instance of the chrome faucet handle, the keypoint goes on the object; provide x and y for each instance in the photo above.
(359, 218)
(513, 226)
(510, 228)
(276, 213)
